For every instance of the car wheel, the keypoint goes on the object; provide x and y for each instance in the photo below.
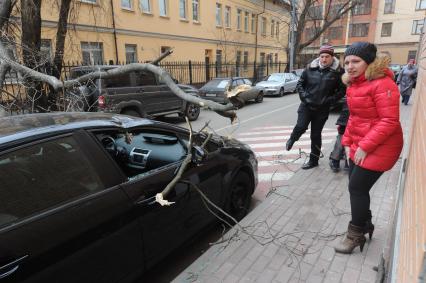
(131, 112)
(259, 98)
(281, 92)
(192, 111)
(240, 196)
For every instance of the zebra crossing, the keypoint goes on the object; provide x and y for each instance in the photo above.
(275, 164)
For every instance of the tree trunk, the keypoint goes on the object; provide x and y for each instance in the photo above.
(31, 41)
(61, 34)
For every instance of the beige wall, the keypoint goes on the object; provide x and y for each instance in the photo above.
(149, 31)
(401, 40)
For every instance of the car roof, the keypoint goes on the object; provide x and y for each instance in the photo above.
(24, 126)
(94, 67)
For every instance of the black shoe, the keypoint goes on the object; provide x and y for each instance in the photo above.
(289, 144)
(310, 164)
(346, 168)
(334, 165)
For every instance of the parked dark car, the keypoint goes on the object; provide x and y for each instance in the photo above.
(216, 90)
(140, 94)
(77, 194)
(279, 83)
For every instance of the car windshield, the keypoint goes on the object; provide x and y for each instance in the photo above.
(221, 84)
(395, 66)
(78, 72)
(276, 78)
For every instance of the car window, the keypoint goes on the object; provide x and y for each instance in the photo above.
(145, 78)
(247, 82)
(222, 84)
(117, 81)
(138, 152)
(44, 175)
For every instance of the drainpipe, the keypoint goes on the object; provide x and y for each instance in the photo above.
(114, 32)
(256, 41)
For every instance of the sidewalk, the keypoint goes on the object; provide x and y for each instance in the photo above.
(290, 236)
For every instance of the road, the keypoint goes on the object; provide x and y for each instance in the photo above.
(265, 127)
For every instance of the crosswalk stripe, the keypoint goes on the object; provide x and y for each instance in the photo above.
(281, 144)
(278, 176)
(273, 127)
(278, 132)
(266, 138)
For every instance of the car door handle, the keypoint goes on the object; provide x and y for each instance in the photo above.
(143, 201)
(141, 90)
(11, 267)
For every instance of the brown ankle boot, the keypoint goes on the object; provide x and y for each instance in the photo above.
(354, 238)
(369, 228)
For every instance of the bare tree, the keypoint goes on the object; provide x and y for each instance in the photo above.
(319, 17)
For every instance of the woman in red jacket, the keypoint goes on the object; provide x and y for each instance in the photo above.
(373, 138)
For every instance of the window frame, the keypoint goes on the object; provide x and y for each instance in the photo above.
(227, 17)
(239, 12)
(263, 26)
(165, 6)
(363, 8)
(130, 8)
(253, 23)
(141, 6)
(351, 31)
(135, 52)
(418, 5)
(196, 10)
(246, 21)
(385, 27)
(389, 7)
(185, 10)
(90, 50)
(415, 27)
(218, 20)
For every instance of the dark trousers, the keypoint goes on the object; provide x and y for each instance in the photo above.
(338, 149)
(317, 119)
(360, 183)
(405, 99)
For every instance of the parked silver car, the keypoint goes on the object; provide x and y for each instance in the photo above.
(279, 83)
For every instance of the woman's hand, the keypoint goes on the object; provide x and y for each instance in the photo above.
(347, 152)
(359, 156)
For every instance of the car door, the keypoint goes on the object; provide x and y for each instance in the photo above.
(170, 100)
(63, 217)
(166, 228)
(119, 88)
(150, 94)
(292, 82)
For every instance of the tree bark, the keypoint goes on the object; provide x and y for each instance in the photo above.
(61, 34)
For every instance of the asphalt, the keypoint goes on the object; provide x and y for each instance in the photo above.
(290, 236)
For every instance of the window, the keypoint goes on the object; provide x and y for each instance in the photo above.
(272, 28)
(143, 78)
(89, 1)
(227, 16)
(412, 55)
(335, 10)
(126, 4)
(219, 59)
(253, 23)
(315, 13)
(218, 14)
(263, 26)
(46, 50)
(246, 21)
(417, 27)
(131, 55)
(238, 63)
(122, 80)
(421, 4)
(162, 7)
(335, 33)
(276, 57)
(245, 60)
(389, 7)
(278, 30)
(44, 175)
(359, 30)
(145, 6)
(238, 19)
(311, 32)
(196, 10)
(92, 53)
(164, 49)
(182, 9)
(386, 29)
(363, 8)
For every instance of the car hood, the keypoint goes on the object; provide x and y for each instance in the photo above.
(269, 83)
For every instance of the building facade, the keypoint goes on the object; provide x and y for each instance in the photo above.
(399, 25)
(359, 24)
(197, 30)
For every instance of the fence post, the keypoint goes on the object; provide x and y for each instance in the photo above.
(190, 71)
(279, 67)
(215, 66)
(267, 68)
(207, 69)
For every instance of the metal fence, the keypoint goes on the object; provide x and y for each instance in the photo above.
(14, 93)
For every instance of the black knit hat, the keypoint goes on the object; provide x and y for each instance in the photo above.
(365, 50)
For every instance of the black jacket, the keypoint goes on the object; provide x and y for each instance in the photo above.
(344, 115)
(321, 87)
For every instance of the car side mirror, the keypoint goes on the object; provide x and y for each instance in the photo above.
(198, 154)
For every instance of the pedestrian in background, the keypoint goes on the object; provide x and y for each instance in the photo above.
(319, 86)
(338, 152)
(407, 80)
(373, 138)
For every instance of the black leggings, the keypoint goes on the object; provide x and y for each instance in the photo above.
(360, 183)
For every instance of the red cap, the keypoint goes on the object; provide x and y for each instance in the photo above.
(326, 48)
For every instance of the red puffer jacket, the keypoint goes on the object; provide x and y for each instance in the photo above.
(373, 101)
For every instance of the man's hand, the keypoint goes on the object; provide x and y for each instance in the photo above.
(347, 152)
(359, 156)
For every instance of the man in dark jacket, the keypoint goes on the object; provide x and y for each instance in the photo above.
(319, 86)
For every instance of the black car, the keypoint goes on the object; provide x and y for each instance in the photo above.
(140, 94)
(77, 194)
